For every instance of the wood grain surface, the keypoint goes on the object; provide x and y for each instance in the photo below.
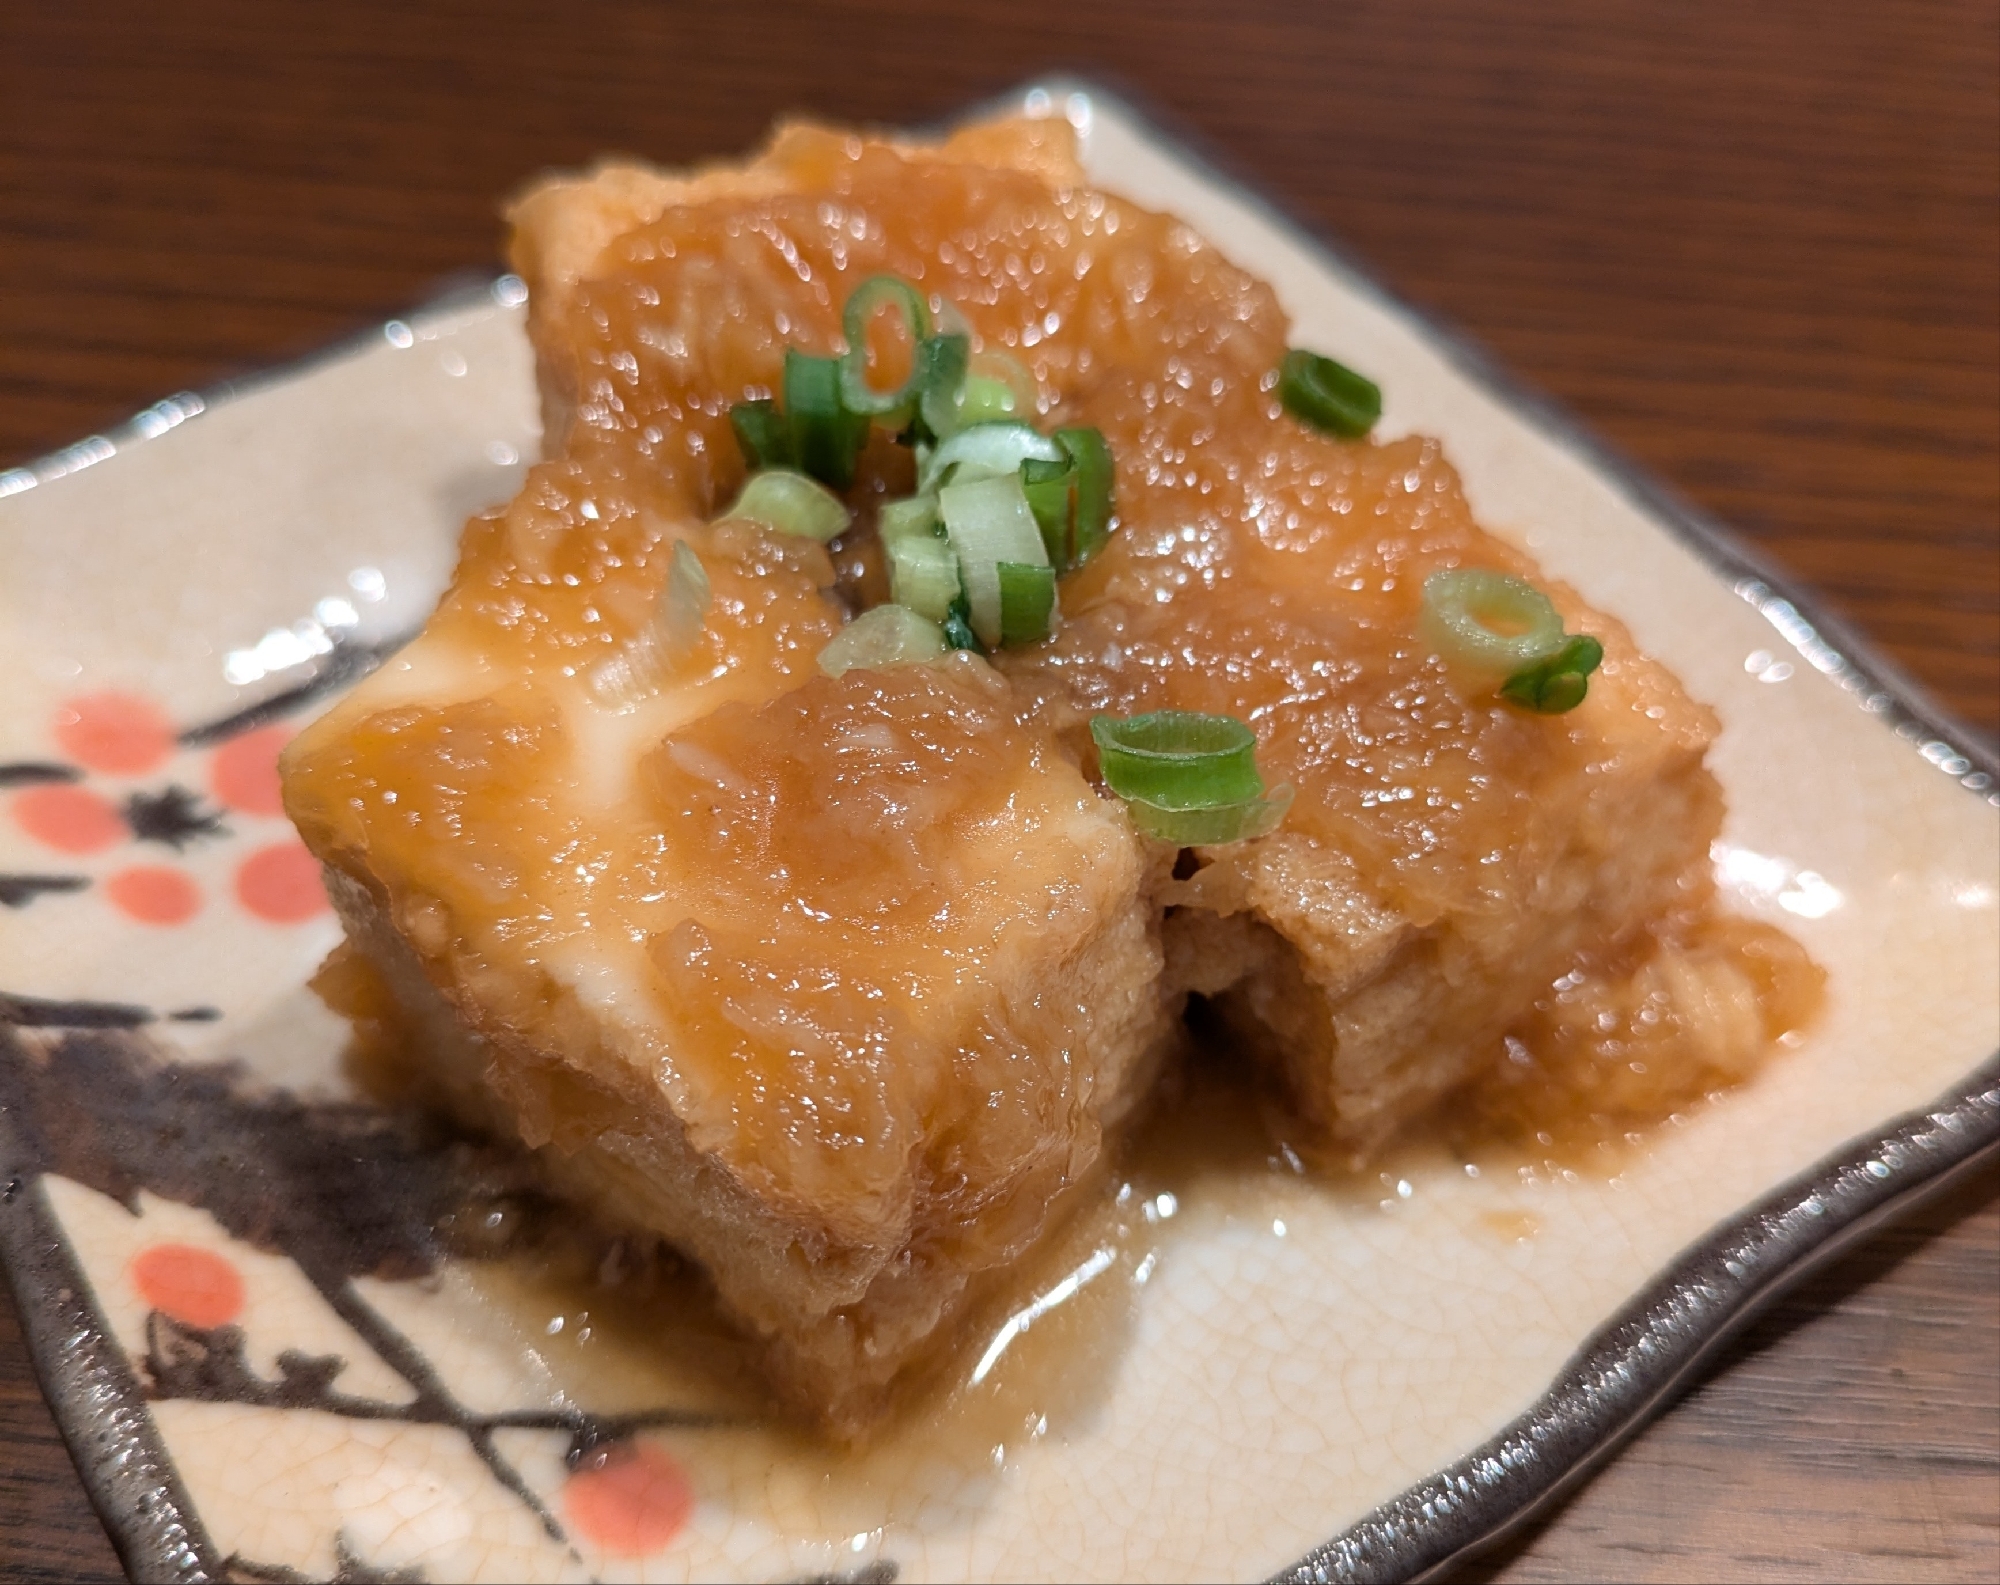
(1757, 246)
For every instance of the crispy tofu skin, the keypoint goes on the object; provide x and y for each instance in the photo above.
(839, 985)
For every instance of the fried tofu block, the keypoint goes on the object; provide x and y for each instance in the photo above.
(1446, 856)
(834, 983)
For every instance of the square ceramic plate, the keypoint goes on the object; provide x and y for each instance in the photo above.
(267, 1367)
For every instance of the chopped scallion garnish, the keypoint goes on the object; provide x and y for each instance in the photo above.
(923, 572)
(764, 433)
(1188, 778)
(1328, 395)
(1490, 623)
(790, 503)
(1027, 597)
(986, 451)
(888, 635)
(873, 294)
(1051, 491)
(916, 515)
(957, 626)
(1178, 759)
(1092, 457)
(827, 436)
(940, 371)
(639, 667)
(1559, 683)
(1199, 828)
(989, 522)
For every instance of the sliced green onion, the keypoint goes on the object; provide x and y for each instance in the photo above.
(940, 365)
(958, 632)
(1092, 457)
(1051, 489)
(790, 503)
(880, 291)
(916, 515)
(1211, 827)
(987, 388)
(1027, 597)
(827, 436)
(889, 635)
(638, 669)
(1178, 759)
(1328, 395)
(1488, 621)
(989, 522)
(997, 388)
(1559, 683)
(985, 451)
(764, 433)
(1188, 778)
(923, 573)
(983, 399)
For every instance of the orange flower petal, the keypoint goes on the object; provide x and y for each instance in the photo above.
(153, 894)
(196, 1286)
(244, 773)
(629, 1499)
(117, 733)
(281, 883)
(68, 819)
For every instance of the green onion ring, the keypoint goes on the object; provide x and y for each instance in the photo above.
(827, 436)
(1328, 395)
(923, 567)
(1050, 487)
(790, 503)
(1559, 683)
(764, 434)
(1178, 759)
(1461, 606)
(957, 627)
(1027, 597)
(989, 523)
(880, 291)
(940, 364)
(985, 451)
(888, 635)
(1094, 477)
(1211, 827)
(997, 388)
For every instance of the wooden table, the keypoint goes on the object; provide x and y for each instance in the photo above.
(1756, 246)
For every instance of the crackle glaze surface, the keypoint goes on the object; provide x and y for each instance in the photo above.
(1221, 1371)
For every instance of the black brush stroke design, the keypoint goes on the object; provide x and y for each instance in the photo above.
(17, 891)
(343, 1190)
(33, 773)
(40, 1012)
(173, 817)
(348, 1569)
(209, 1366)
(347, 662)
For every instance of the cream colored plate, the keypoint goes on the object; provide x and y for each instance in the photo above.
(1247, 1372)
